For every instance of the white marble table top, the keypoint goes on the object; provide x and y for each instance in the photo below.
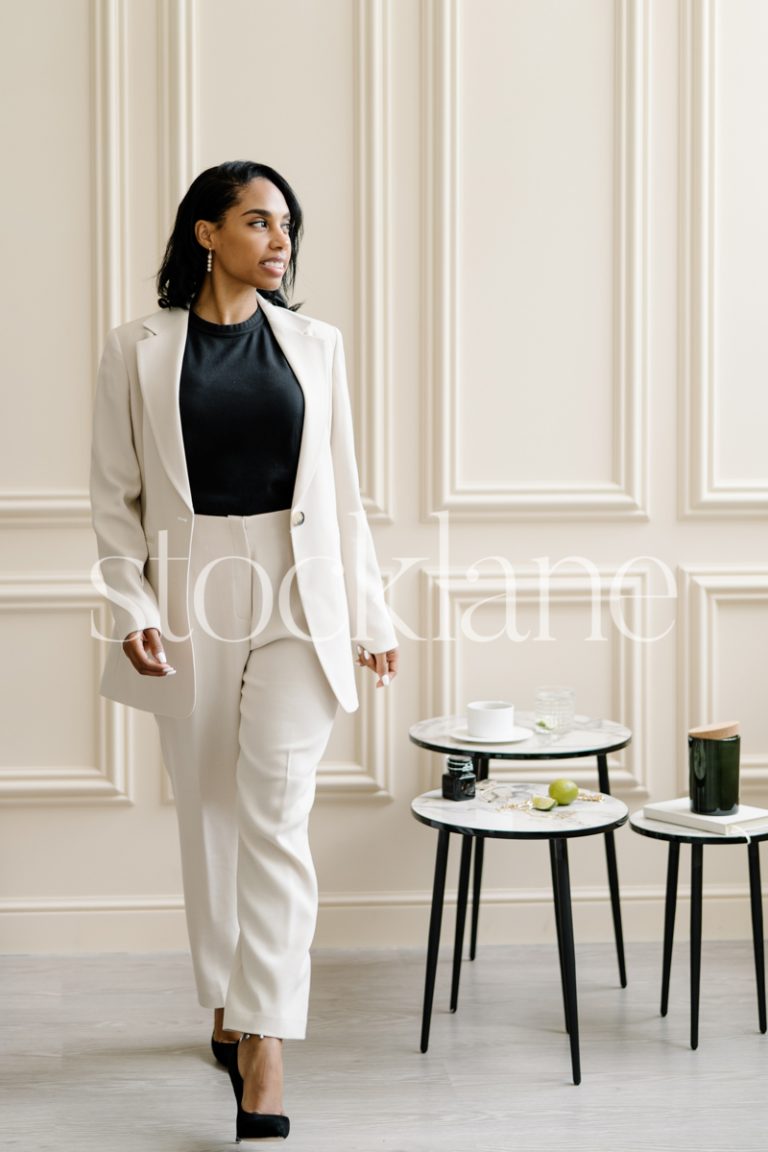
(660, 830)
(493, 817)
(587, 738)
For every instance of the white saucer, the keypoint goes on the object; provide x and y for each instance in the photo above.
(512, 737)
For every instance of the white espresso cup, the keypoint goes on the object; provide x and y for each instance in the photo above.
(490, 719)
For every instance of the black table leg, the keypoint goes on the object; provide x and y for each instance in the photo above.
(613, 872)
(602, 773)
(481, 764)
(556, 901)
(477, 881)
(756, 898)
(461, 916)
(670, 906)
(697, 872)
(613, 884)
(435, 922)
(569, 957)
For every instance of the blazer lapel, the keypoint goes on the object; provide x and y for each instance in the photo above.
(159, 358)
(308, 354)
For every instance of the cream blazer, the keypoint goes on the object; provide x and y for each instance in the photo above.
(143, 518)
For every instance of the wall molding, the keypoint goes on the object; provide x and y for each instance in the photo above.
(178, 113)
(703, 490)
(388, 919)
(373, 266)
(110, 780)
(68, 904)
(407, 898)
(447, 595)
(51, 508)
(703, 590)
(109, 241)
(511, 897)
(109, 104)
(625, 494)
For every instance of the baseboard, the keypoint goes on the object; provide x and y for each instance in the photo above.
(368, 920)
(526, 917)
(118, 924)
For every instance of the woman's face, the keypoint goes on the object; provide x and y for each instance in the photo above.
(251, 245)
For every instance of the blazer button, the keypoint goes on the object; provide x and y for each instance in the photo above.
(297, 518)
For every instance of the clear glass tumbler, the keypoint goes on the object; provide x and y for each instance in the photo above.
(554, 711)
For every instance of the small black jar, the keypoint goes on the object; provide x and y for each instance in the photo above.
(459, 779)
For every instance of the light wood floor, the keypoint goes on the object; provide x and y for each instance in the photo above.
(110, 1052)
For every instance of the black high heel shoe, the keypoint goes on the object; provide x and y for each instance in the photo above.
(254, 1125)
(224, 1051)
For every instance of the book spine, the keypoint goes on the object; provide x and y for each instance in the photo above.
(688, 820)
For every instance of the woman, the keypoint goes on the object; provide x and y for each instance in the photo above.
(239, 568)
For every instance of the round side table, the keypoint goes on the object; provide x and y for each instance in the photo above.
(477, 819)
(447, 734)
(675, 835)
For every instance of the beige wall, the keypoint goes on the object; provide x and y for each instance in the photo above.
(541, 227)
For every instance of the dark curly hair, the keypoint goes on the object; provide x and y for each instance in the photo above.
(209, 197)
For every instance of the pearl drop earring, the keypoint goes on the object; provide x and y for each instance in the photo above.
(209, 262)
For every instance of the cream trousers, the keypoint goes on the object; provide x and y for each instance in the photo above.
(243, 771)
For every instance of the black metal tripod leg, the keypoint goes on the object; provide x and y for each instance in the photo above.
(435, 922)
(756, 899)
(670, 906)
(481, 763)
(613, 872)
(556, 902)
(461, 916)
(697, 875)
(477, 883)
(602, 773)
(569, 955)
(613, 885)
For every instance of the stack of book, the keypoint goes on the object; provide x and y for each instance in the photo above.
(744, 821)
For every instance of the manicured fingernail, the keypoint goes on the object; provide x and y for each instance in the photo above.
(385, 679)
(161, 657)
(366, 654)
(169, 672)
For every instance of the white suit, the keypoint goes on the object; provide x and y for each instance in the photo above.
(142, 506)
(243, 723)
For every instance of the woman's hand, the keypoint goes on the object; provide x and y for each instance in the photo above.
(145, 652)
(384, 664)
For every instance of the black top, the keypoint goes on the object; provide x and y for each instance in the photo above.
(242, 413)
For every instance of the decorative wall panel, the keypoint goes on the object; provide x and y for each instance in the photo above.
(724, 249)
(519, 426)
